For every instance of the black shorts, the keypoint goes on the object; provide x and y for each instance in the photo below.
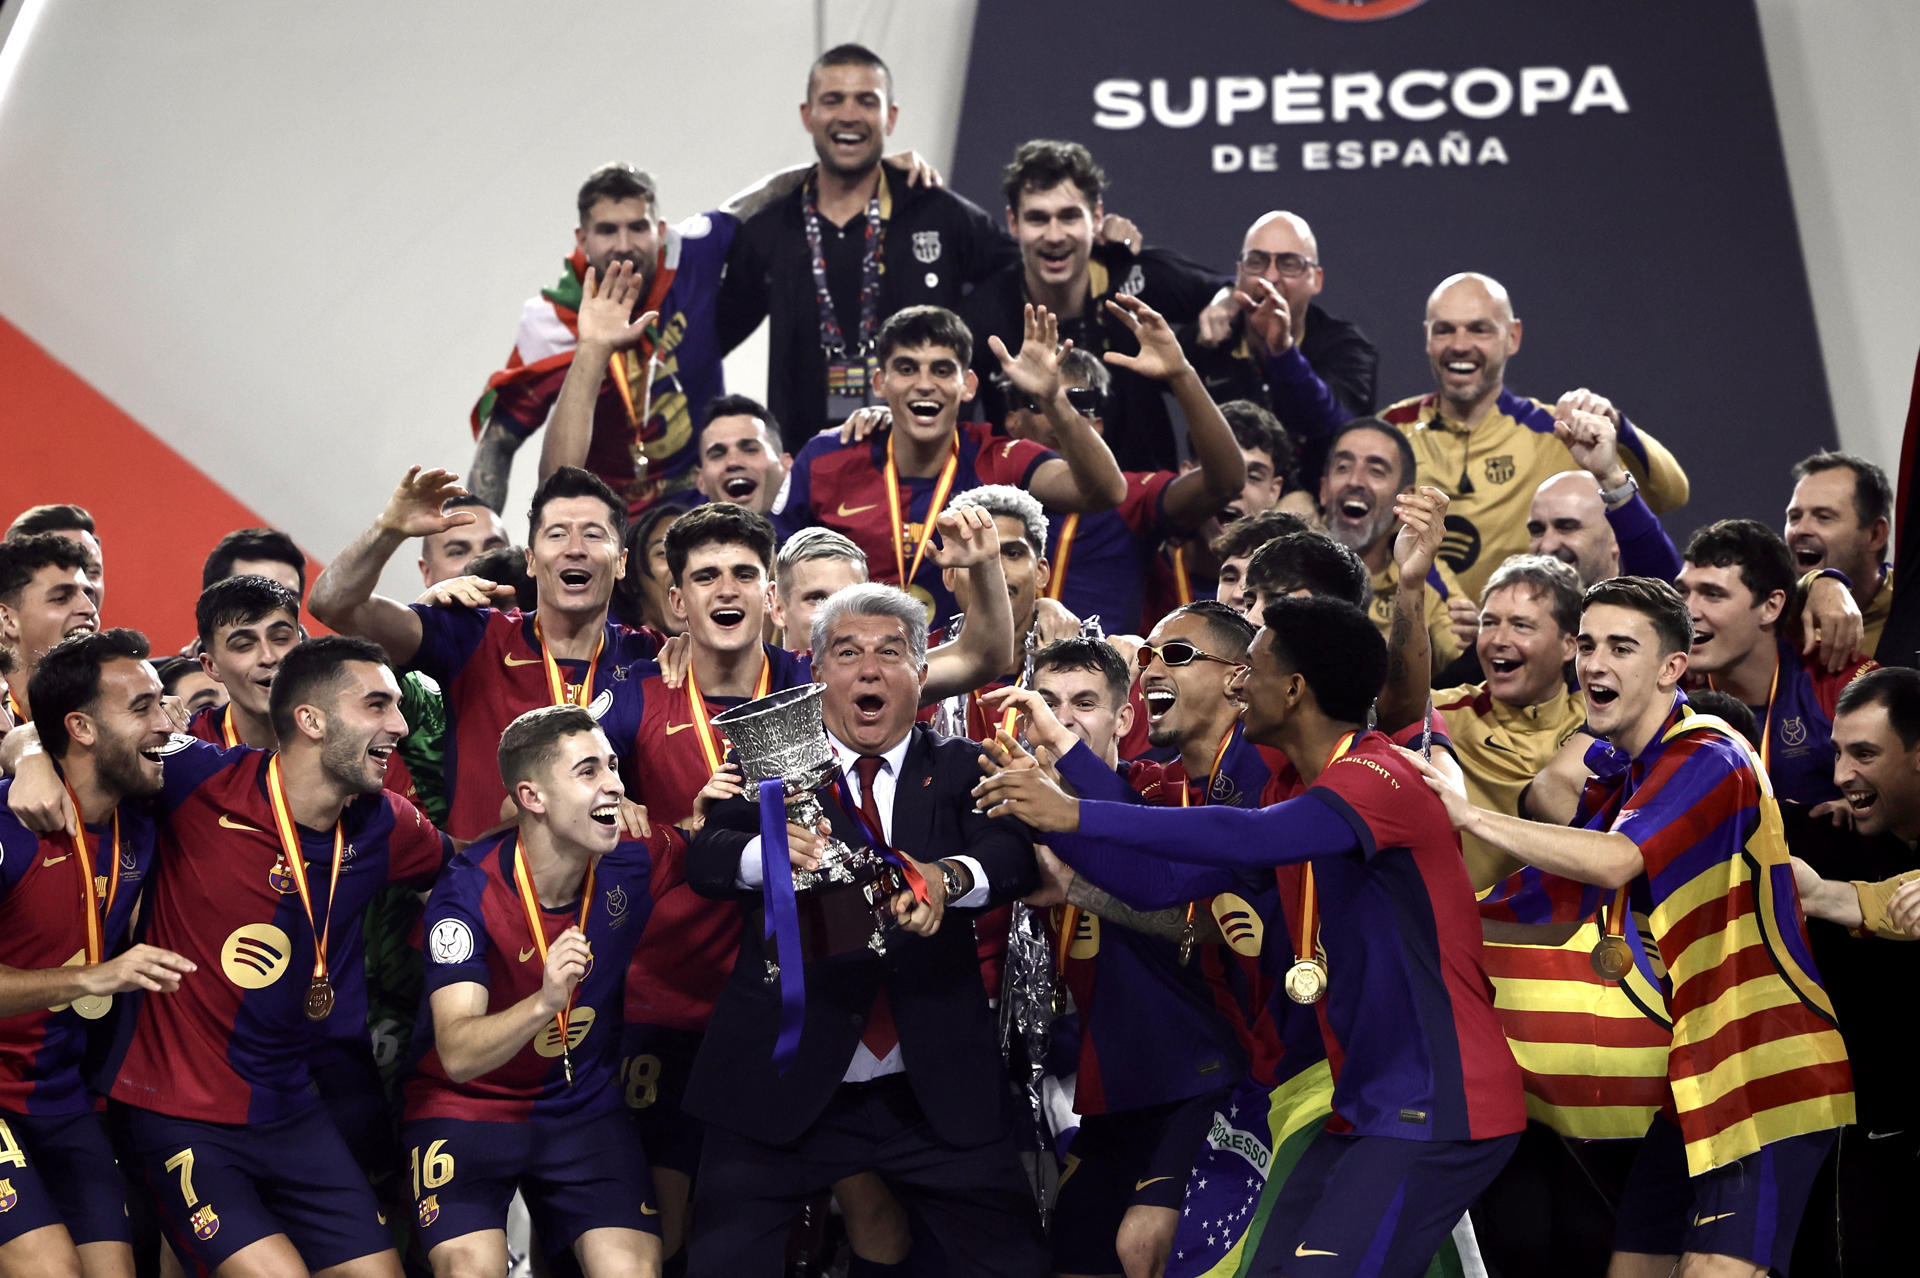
(655, 1063)
(579, 1173)
(221, 1187)
(1136, 1157)
(58, 1169)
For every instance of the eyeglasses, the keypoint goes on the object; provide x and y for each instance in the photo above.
(1290, 265)
(1084, 400)
(1177, 652)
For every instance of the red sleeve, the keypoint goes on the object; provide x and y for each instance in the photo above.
(416, 850)
(1828, 687)
(1010, 461)
(1142, 510)
(1409, 736)
(1387, 803)
(1685, 807)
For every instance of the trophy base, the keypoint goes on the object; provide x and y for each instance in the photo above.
(844, 906)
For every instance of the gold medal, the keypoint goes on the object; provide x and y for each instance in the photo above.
(320, 999)
(1306, 981)
(1612, 958)
(93, 1006)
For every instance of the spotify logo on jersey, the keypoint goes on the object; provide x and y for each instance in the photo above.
(255, 955)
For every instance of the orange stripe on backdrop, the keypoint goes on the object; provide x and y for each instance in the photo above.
(158, 515)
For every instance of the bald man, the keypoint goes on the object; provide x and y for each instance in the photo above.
(1572, 522)
(1267, 340)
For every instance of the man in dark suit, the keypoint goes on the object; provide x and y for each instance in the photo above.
(897, 1069)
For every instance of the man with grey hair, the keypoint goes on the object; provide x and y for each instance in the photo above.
(811, 566)
(1269, 341)
(896, 1069)
(1022, 526)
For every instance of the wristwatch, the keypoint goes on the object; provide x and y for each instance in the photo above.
(958, 880)
(1614, 498)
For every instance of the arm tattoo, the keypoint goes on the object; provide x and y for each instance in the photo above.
(492, 464)
(1171, 924)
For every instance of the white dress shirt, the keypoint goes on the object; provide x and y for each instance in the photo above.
(865, 1065)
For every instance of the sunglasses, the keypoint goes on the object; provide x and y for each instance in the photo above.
(1177, 652)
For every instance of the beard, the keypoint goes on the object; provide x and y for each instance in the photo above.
(124, 769)
(349, 763)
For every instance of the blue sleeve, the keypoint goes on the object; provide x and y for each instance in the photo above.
(795, 509)
(1645, 548)
(1092, 779)
(187, 763)
(1301, 399)
(18, 844)
(455, 927)
(449, 636)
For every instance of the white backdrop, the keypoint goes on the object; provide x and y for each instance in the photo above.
(293, 239)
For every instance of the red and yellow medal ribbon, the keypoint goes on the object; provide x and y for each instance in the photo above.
(1062, 554)
(1766, 715)
(523, 885)
(90, 903)
(941, 488)
(297, 866)
(703, 726)
(227, 734)
(15, 709)
(1182, 585)
(557, 682)
(1307, 941)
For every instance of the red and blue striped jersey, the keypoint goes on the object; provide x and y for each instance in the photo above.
(1422, 1054)
(490, 671)
(844, 487)
(43, 924)
(692, 941)
(231, 1045)
(1102, 569)
(477, 932)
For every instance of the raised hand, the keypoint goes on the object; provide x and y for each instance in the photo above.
(567, 960)
(864, 422)
(606, 313)
(919, 169)
(1160, 355)
(467, 592)
(1269, 318)
(968, 536)
(1423, 524)
(1592, 438)
(1043, 729)
(1018, 787)
(1037, 370)
(414, 508)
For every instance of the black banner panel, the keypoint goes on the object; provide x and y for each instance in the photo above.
(1616, 165)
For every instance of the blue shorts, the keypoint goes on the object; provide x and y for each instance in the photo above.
(1361, 1206)
(221, 1187)
(58, 1169)
(1749, 1209)
(578, 1173)
(1133, 1158)
(655, 1063)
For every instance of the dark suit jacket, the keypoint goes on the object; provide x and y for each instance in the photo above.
(949, 1036)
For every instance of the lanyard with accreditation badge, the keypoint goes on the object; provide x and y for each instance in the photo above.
(95, 903)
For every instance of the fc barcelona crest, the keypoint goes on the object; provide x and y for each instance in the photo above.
(205, 1222)
(7, 1197)
(1500, 469)
(429, 1210)
(280, 878)
(926, 247)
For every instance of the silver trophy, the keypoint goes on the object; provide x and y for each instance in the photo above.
(844, 903)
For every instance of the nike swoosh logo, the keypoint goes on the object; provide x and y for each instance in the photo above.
(526, 954)
(1708, 1220)
(677, 727)
(1139, 1185)
(1304, 1250)
(55, 860)
(228, 823)
(649, 1211)
(512, 660)
(1870, 1135)
(848, 512)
